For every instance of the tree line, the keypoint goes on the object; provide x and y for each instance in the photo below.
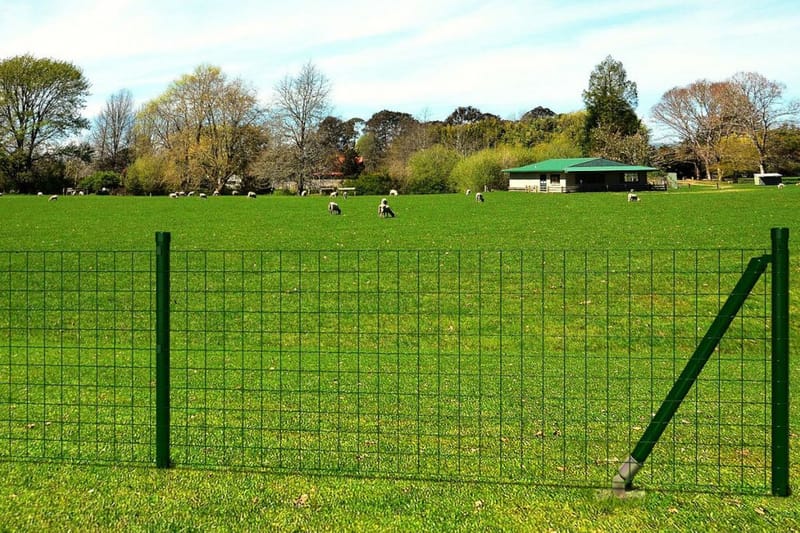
(207, 131)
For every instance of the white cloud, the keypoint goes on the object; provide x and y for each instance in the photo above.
(503, 56)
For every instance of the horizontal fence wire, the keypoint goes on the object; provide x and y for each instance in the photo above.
(539, 367)
(76, 357)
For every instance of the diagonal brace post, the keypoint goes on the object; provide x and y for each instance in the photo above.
(755, 268)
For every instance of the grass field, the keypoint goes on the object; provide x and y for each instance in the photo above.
(73, 497)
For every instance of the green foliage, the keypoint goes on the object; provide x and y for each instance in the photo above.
(40, 106)
(145, 176)
(376, 183)
(429, 171)
(559, 147)
(484, 169)
(610, 100)
(102, 181)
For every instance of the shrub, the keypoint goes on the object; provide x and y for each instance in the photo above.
(102, 181)
(429, 170)
(374, 183)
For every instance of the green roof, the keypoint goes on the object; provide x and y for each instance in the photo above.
(578, 164)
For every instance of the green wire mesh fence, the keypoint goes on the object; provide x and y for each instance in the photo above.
(76, 364)
(539, 367)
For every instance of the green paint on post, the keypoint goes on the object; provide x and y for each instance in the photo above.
(780, 362)
(162, 350)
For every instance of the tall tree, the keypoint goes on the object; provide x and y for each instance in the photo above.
(300, 104)
(40, 105)
(112, 133)
(206, 127)
(758, 107)
(610, 100)
(698, 115)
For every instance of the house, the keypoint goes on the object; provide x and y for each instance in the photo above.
(581, 174)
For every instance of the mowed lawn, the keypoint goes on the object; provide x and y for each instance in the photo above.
(76, 497)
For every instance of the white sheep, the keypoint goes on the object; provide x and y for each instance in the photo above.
(202, 195)
(632, 196)
(190, 193)
(478, 197)
(333, 194)
(304, 192)
(393, 192)
(334, 209)
(781, 185)
(251, 194)
(40, 193)
(469, 191)
(215, 193)
(173, 195)
(234, 193)
(53, 198)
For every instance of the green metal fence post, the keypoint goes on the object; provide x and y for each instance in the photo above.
(780, 362)
(162, 350)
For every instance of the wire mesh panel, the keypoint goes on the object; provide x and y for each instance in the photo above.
(540, 367)
(76, 356)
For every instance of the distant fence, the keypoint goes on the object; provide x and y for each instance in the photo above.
(540, 367)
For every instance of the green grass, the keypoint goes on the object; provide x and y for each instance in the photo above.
(104, 497)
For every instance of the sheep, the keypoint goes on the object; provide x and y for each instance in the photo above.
(190, 193)
(478, 197)
(53, 198)
(334, 194)
(469, 191)
(304, 192)
(40, 193)
(393, 192)
(234, 193)
(215, 193)
(384, 210)
(173, 195)
(181, 193)
(632, 196)
(344, 195)
(251, 194)
(781, 185)
(333, 208)
(202, 195)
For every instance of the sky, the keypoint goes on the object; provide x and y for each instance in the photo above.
(423, 57)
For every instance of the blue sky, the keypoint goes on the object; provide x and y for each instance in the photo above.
(424, 57)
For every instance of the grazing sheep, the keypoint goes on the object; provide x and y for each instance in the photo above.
(234, 193)
(202, 195)
(53, 198)
(190, 193)
(251, 194)
(333, 208)
(304, 193)
(469, 191)
(781, 185)
(173, 195)
(393, 192)
(215, 193)
(344, 195)
(632, 196)
(478, 197)
(181, 193)
(40, 193)
(384, 210)
(334, 194)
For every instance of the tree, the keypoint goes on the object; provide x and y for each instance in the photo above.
(40, 105)
(610, 100)
(429, 170)
(758, 107)
(384, 127)
(207, 128)
(538, 112)
(112, 134)
(467, 115)
(300, 105)
(698, 115)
